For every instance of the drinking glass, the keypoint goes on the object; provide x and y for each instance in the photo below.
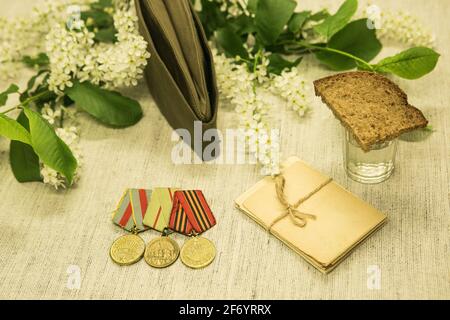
(370, 167)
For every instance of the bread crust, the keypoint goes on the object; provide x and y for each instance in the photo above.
(416, 117)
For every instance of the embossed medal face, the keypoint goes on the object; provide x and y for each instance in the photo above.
(127, 250)
(198, 252)
(161, 252)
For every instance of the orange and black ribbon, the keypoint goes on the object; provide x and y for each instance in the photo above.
(190, 212)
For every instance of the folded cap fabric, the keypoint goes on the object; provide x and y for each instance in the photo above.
(180, 73)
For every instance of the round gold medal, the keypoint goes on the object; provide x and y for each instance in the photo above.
(161, 252)
(127, 250)
(198, 253)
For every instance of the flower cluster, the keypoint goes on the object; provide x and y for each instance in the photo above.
(243, 89)
(248, 86)
(120, 64)
(24, 36)
(56, 28)
(291, 86)
(75, 54)
(399, 26)
(66, 50)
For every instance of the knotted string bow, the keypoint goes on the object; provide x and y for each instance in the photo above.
(300, 219)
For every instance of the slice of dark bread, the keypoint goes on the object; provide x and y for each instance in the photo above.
(370, 105)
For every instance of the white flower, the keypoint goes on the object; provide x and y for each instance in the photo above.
(73, 53)
(66, 51)
(242, 89)
(399, 26)
(119, 64)
(291, 86)
(25, 35)
(53, 178)
(234, 8)
(251, 41)
(50, 114)
(70, 116)
(71, 137)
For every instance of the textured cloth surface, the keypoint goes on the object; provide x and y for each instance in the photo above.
(47, 236)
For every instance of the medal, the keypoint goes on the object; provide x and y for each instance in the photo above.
(192, 216)
(130, 212)
(185, 212)
(198, 252)
(161, 252)
(127, 249)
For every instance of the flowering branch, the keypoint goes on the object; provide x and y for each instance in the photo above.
(260, 44)
(82, 50)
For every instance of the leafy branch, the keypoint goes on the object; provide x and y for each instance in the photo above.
(336, 40)
(34, 140)
(343, 53)
(27, 101)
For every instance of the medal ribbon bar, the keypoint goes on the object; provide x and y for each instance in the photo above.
(191, 212)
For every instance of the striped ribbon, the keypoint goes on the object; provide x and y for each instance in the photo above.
(159, 209)
(131, 210)
(190, 212)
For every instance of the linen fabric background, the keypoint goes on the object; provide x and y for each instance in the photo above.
(47, 237)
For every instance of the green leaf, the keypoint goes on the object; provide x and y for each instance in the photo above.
(297, 21)
(230, 42)
(212, 17)
(67, 102)
(102, 4)
(45, 95)
(41, 60)
(32, 81)
(319, 16)
(24, 161)
(49, 147)
(97, 18)
(363, 67)
(4, 95)
(271, 18)
(277, 64)
(12, 130)
(106, 35)
(242, 25)
(31, 84)
(410, 64)
(252, 6)
(336, 22)
(101, 23)
(355, 39)
(109, 107)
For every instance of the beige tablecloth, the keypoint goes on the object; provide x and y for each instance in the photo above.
(48, 237)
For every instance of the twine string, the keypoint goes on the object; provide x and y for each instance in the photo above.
(298, 218)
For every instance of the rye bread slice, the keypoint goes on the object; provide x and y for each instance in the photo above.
(370, 105)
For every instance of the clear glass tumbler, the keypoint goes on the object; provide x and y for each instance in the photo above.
(370, 167)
